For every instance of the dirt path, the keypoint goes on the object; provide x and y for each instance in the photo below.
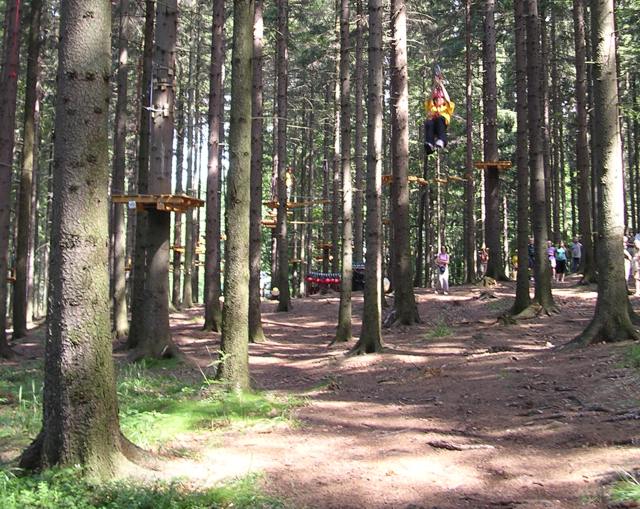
(458, 413)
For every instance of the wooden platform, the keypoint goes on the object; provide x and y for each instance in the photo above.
(387, 179)
(166, 202)
(499, 165)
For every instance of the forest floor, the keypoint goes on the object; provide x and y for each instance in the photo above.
(459, 412)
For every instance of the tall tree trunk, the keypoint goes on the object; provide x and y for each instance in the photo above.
(541, 267)
(611, 321)
(469, 186)
(256, 333)
(176, 288)
(282, 63)
(234, 356)
(212, 290)
(335, 164)
(189, 248)
(405, 310)
(8, 92)
(370, 340)
(156, 338)
(495, 267)
(120, 318)
(523, 299)
(343, 332)
(139, 286)
(358, 192)
(80, 414)
(23, 285)
(582, 145)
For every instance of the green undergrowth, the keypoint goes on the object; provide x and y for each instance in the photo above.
(67, 489)
(158, 401)
(440, 330)
(633, 357)
(626, 490)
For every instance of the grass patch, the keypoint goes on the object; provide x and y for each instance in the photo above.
(66, 489)
(158, 400)
(626, 490)
(440, 330)
(633, 357)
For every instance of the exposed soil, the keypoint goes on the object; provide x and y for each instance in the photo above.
(486, 416)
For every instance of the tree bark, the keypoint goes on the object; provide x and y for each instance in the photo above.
(370, 340)
(256, 333)
(358, 192)
(523, 298)
(234, 357)
(469, 186)
(189, 247)
(80, 411)
(405, 310)
(612, 320)
(176, 289)
(212, 290)
(156, 337)
(8, 92)
(495, 267)
(282, 62)
(138, 293)
(582, 145)
(118, 240)
(23, 285)
(343, 332)
(541, 267)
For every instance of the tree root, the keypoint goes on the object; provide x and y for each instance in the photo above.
(364, 348)
(606, 330)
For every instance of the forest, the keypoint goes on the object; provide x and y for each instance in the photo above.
(320, 254)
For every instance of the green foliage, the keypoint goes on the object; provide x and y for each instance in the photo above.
(633, 357)
(20, 405)
(440, 330)
(626, 490)
(67, 489)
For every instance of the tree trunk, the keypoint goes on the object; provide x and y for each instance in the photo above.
(156, 337)
(358, 192)
(335, 164)
(371, 332)
(120, 318)
(582, 145)
(495, 267)
(469, 186)
(611, 321)
(23, 285)
(404, 311)
(541, 267)
(234, 357)
(138, 293)
(343, 332)
(523, 299)
(8, 92)
(256, 333)
(282, 36)
(212, 290)
(189, 248)
(176, 289)
(80, 410)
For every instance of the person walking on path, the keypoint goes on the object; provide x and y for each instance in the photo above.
(561, 262)
(551, 256)
(442, 262)
(576, 254)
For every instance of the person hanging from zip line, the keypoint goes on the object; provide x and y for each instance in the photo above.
(438, 108)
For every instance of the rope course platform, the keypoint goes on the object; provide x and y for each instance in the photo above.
(166, 202)
(498, 165)
(296, 204)
(387, 179)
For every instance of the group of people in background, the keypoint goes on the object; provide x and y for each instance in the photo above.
(562, 258)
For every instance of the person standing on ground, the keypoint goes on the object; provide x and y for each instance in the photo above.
(628, 259)
(636, 264)
(576, 254)
(442, 261)
(484, 260)
(561, 261)
(531, 251)
(551, 256)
